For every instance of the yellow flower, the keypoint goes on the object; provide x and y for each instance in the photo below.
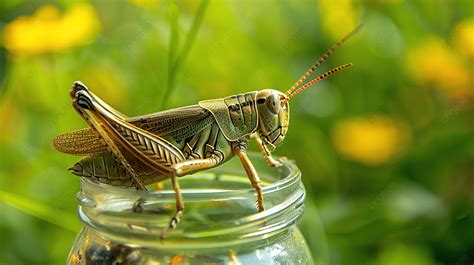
(464, 37)
(338, 18)
(47, 31)
(372, 140)
(434, 63)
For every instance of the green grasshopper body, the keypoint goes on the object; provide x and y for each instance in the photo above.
(207, 130)
(136, 151)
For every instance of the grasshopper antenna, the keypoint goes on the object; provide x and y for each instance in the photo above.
(319, 78)
(323, 58)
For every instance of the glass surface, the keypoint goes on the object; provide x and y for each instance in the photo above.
(220, 225)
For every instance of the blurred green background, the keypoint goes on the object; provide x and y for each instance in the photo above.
(386, 147)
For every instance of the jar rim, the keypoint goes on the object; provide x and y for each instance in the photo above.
(283, 194)
(293, 175)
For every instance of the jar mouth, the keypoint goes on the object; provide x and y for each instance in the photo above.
(220, 207)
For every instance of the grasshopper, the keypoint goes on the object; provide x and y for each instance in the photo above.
(137, 151)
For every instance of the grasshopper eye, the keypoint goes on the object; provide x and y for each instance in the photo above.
(273, 104)
(284, 105)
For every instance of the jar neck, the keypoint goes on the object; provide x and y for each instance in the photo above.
(220, 209)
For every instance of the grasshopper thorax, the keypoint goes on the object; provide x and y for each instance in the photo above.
(273, 116)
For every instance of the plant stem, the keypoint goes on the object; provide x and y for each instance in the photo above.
(175, 65)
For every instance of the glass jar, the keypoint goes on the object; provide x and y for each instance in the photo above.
(220, 225)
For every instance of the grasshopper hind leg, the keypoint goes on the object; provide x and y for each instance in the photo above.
(81, 103)
(145, 146)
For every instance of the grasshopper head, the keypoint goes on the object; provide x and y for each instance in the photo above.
(274, 116)
(272, 105)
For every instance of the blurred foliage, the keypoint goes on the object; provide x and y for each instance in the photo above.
(386, 148)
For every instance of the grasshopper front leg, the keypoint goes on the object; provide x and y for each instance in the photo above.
(240, 150)
(267, 155)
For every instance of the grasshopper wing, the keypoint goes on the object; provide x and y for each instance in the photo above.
(169, 121)
(80, 142)
(183, 122)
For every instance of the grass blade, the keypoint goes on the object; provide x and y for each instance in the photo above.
(181, 57)
(42, 211)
